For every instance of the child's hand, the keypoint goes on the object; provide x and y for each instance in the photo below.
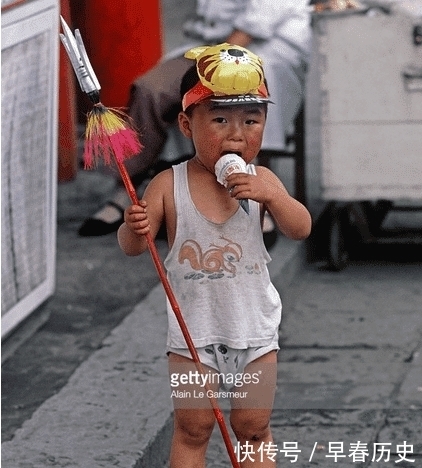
(136, 218)
(242, 185)
(292, 218)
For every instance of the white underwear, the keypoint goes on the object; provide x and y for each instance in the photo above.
(227, 360)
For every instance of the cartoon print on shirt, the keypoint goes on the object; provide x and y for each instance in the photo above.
(216, 262)
(255, 269)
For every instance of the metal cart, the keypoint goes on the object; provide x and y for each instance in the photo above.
(365, 104)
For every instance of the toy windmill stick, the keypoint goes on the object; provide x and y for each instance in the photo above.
(110, 136)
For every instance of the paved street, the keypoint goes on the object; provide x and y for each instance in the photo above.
(350, 368)
(97, 286)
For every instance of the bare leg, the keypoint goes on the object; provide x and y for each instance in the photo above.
(193, 421)
(250, 417)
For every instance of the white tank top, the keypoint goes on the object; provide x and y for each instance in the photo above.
(219, 276)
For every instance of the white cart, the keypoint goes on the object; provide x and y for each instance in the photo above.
(364, 105)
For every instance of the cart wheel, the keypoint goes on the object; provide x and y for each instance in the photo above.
(338, 256)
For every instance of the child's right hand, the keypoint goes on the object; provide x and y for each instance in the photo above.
(136, 218)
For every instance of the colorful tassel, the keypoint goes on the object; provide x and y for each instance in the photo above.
(109, 134)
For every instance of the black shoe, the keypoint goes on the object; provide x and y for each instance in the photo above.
(92, 227)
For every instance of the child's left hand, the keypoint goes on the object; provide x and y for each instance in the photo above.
(241, 185)
(291, 217)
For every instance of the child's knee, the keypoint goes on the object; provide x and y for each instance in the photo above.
(194, 433)
(250, 428)
(251, 433)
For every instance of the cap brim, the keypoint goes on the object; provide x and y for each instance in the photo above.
(240, 99)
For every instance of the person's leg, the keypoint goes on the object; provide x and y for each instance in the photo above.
(153, 105)
(193, 419)
(250, 415)
(285, 71)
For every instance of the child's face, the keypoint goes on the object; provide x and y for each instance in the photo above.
(217, 130)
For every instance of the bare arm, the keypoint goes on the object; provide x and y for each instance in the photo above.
(291, 217)
(131, 234)
(145, 217)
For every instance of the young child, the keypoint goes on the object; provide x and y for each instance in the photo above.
(217, 259)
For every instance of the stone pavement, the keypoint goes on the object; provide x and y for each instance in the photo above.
(96, 287)
(350, 369)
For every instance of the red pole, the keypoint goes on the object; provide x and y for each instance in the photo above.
(176, 309)
(68, 138)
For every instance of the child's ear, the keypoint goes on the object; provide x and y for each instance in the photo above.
(184, 124)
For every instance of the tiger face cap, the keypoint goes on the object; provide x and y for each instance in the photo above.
(228, 74)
